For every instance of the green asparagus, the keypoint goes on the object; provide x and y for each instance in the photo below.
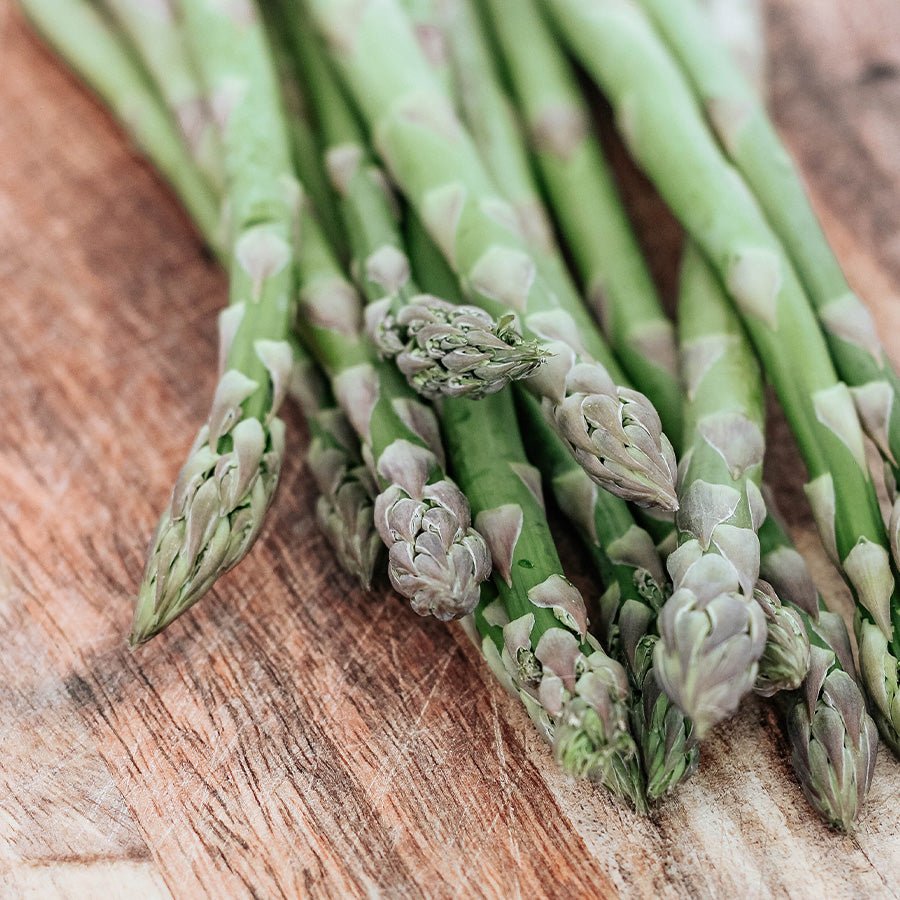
(614, 432)
(592, 739)
(574, 692)
(713, 631)
(435, 558)
(635, 581)
(587, 205)
(650, 96)
(786, 657)
(747, 135)
(833, 739)
(223, 491)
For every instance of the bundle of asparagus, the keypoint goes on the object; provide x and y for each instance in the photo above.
(338, 154)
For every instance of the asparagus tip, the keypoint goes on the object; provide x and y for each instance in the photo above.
(453, 351)
(706, 658)
(785, 660)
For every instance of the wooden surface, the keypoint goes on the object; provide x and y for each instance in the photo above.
(292, 737)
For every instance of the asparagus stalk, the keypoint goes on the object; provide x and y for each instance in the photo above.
(587, 206)
(87, 42)
(635, 581)
(614, 432)
(157, 35)
(738, 117)
(712, 630)
(834, 741)
(435, 558)
(491, 119)
(343, 509)
(785, 659)
(576, 694)
(305, 140)
(442, 349)
(489, 115)
(617, 44)
(224, 489)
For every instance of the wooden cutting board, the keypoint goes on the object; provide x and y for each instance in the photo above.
(291, 736)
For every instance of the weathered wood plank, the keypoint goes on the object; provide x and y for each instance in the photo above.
(291, 737)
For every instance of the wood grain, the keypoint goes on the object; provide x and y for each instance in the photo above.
(292, 737)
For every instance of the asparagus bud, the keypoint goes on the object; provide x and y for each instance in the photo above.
(578, 697)
(711, 638)
(834, 741)
(668, 746)
(435, 557)
(879, 668)
(785, 661)
(344, 509)
(613, 432)
(591, 738)
(219, 500)
(449, 350)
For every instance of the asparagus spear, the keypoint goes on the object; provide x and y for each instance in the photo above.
(635, 581)
(344, 511)
(90, 46)
(833, 739)
(587, 206)
(738, 116)
(575, 694)
(712, 630)
(614, 432)
(506, 495)
(650, 96)
(489, 115)
(157, 35)
(224, 489)
(440, 348)
(435, 558)
(785, 659)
